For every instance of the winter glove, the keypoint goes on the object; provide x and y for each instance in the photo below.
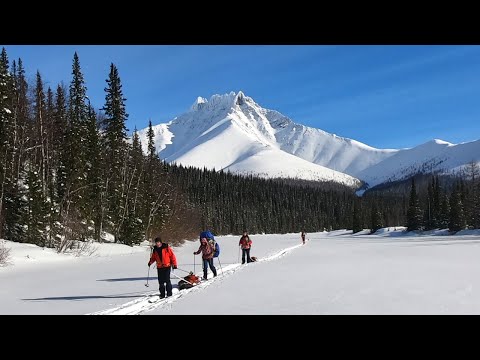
(174, 267)
(149, 263)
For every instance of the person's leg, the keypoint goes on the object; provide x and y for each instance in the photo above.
(161, 281)
(168, 282)
(243, 256)
(205, 265)
(248, 256)
(212, 267)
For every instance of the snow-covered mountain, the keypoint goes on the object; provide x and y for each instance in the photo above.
(433, 156)
(232, 132)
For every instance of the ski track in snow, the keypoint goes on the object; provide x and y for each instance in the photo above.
(139, 306)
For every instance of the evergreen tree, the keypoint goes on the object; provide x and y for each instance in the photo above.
(61, 143)
(40, 135)
(37, 212)
(376, 218)
(444, 212)
(6, 127)
(457, 216)
(477, 207)
(436, 203)
(94, 175)
(414, 213)
(357, 222)
(74, 165)
(115, 149)
(15, 209)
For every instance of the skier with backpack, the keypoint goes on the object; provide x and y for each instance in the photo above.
(208, 248)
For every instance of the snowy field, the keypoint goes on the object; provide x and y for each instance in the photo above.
(333, 273)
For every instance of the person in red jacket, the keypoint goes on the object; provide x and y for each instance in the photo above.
(163, 255)
(246, 244)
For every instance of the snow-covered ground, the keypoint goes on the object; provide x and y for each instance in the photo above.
(333, 273)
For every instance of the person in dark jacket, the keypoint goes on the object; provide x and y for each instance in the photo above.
(207, 256)
(246, 245)
(303, 237)
(163, 255)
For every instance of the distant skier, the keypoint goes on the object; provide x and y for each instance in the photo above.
(303, 237)
(163, 255)
(246, 245)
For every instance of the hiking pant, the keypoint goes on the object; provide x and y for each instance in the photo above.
(206, 264)
(164, 277)
(246, 252)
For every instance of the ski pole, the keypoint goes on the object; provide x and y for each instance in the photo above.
(238, 257)
(220, 264)
(194, 263)
(148, 275)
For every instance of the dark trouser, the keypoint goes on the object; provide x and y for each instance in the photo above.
(164, 277)
(246, 252)
(206, 264)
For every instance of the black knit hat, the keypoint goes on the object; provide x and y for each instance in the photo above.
(158, 239)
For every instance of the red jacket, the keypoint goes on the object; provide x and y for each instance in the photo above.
(245, 242)
(167, 256)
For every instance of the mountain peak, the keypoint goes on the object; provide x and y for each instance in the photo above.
(198, 104)
(225, 101)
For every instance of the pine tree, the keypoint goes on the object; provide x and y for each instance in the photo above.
(15, 200)
(376, 218)
(60, 144)
(75, 161)
(5, 130)
(436, 203)
(94, 175)
(115, 149)
(357, 222)
(457, 216)
(36, 222)
(477, 207)
(414, 213)
(444, 212)
(40, 135)
(471, 216)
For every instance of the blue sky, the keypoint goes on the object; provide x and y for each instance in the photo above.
(384, 96)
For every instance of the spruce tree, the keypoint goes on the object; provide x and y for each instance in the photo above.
(357, 222)
(61, 143)
(75, 162)
(457, 216)
(115, 149)
(444, 212)
(376, 218)
(93, 175)
(414, 213)
(37, 211)
(6, 132)
(15, 209)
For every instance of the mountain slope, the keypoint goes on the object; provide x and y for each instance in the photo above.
(433, 156)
